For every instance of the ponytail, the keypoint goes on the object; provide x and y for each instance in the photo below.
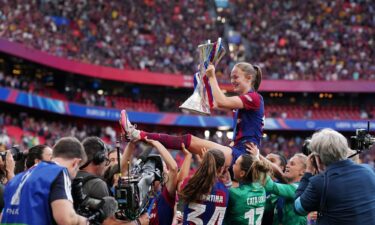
(258, 77)
(253, 70)
(204, 178)
(256, 170)
(259, 171)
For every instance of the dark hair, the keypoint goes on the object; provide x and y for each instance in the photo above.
(283, 160)
(34, 152)
(111, 151)
(258, 77)
(204, 178)
(69, 148)
(256, 170)
(109, 174)
(252, 70)
(93, 145)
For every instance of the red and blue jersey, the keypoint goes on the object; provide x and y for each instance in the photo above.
(248, 122)
(163, 208)
(210, 210)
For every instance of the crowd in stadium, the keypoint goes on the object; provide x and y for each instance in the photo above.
(39, 130)
(142, 101)
(320, 40)
(34, 131)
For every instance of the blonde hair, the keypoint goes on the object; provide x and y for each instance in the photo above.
(255, 170)
(251, 70)
(303, 159)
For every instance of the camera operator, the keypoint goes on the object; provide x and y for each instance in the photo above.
(343, 193)
(92, 171)
(47, 186)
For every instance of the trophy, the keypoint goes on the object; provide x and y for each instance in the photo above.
(201, 101)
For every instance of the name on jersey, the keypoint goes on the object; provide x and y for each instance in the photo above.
(213, 198)
(256, 200)
(12, 211)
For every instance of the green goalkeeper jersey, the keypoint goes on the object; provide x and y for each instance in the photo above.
(287, 191)
(246, 205)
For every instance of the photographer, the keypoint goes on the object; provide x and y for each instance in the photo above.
(7, 165)
(46, 186)
(343, 193)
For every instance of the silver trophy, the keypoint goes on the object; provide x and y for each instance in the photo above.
(201, 101)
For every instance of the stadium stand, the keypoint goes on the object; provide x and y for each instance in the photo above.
(334, 45)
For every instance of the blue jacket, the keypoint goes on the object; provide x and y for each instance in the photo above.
(350, 194)
(26, 196)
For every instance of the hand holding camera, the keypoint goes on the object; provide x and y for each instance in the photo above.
(7, 164)
(312, 165)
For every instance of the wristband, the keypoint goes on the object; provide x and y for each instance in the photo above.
(228, 184)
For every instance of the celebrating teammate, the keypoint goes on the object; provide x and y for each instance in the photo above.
(246, 202)
(205, 197)
(248, 116)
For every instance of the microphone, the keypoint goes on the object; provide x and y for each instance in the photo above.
(143, 156)
(110, 206)
(107, 209)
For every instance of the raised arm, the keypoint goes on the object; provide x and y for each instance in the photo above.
(126, 157)
(277, 172)
(185, 168)
(283, 190)
(221, 100)
(171, 164)
(64, 214)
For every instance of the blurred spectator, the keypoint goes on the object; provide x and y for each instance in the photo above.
(316, 40)
(4, 139)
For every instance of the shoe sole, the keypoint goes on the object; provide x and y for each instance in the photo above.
(123, 119)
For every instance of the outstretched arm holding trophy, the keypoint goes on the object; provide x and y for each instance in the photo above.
(201, 101)
(249, 108)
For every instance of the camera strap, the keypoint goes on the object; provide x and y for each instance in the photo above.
(323, 199)
(88, 178)
(92, 177)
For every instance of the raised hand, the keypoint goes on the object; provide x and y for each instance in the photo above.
(151, 141)
(184, 150)
(252, 149)
(201, 154)
(210, 71)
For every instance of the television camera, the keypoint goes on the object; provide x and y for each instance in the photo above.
(15, 151)
(132, 192)
(96, 210)
(362, 141)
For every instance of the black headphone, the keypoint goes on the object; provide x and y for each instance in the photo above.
(101, 155)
